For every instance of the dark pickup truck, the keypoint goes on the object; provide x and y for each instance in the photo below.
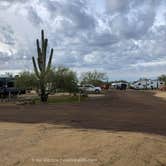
(11, 90)
(7, 87)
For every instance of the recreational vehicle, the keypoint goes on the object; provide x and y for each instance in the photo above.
(120, 85)
(147, 84)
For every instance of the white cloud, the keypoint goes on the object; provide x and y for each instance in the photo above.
(126, 37)
(150, 64)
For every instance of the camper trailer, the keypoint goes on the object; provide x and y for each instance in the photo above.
(7, 87)
(119, 85)
(147, 84)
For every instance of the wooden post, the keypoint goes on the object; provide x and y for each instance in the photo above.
(9, 96)
(79, 97)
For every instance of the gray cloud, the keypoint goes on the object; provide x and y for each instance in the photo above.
(125, 39)
(7, 35)
(33, 16)
(117, 5)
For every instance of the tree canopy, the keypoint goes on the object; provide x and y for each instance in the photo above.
(65, 79)
(96, 78)
(61, 78)
(162, 78)
(26, 80)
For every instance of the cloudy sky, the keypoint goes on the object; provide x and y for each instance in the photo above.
(125, 38)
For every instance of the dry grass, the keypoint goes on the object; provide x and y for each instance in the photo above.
(161, 94)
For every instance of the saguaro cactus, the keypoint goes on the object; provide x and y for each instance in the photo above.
(41, 68)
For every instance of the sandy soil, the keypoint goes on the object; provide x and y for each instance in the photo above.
(161, 94)
(120, 129)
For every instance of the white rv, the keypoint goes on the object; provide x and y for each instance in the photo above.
(120, 85)
(147, 84)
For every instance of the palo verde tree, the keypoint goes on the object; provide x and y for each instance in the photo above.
(66, 79)
(42, 68)
(26, 80)
(96, 78)
(162, 78)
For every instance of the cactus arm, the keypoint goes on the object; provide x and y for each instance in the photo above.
(38, 48)
(43, 50)
(39, 55)
(42, 36)
(45, 53)
(50, 60)
(35, 67)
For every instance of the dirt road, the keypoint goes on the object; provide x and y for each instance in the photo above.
(125, 128)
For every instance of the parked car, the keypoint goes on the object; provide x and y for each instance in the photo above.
(119, 86)
(11, 91)
(90, 88)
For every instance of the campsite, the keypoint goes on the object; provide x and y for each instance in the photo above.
(122, 128)
(82, 83)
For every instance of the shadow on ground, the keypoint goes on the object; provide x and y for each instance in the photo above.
(132, 111)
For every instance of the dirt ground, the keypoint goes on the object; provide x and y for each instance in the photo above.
(124, 128)
(161, 94)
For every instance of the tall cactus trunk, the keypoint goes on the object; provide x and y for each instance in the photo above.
(43, 94)
(41, 68)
